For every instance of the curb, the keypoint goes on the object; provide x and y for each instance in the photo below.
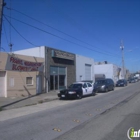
(2, 108)
(17, 101)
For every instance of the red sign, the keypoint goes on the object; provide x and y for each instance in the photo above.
(16, 64)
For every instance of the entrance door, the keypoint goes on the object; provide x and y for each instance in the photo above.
(38, 84)
(56, 82)
(57, 78)
(62, 82)
(2, 84)
(53, 82)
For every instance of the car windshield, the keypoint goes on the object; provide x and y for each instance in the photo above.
(75, 86)
(120, 81)
(132, 79)
(100, 82)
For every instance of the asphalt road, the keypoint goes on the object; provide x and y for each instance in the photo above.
(106, 116)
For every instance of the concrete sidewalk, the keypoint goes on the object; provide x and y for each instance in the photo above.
(17, 102)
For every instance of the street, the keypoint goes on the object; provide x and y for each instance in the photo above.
(106, 116)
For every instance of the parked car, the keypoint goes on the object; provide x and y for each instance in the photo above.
(136, 79)
(88, 81)
(92, 83)
(121, 82)
(104, 85)
(77, 90)
(132, 80)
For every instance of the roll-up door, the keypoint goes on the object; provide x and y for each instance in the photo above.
(87, 72)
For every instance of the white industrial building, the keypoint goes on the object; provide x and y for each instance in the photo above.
(84, 68)
(109, 70)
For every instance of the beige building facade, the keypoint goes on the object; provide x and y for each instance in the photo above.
(21, 75)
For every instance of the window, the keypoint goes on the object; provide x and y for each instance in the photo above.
(53, 70)
(108, 81)
(85, 85)
(62, 70)
(89, 85)
(29, 80)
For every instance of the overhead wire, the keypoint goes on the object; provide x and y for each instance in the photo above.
(19, 32)
(77, 25)
(57, 30)
(5, 34)
(62, 37)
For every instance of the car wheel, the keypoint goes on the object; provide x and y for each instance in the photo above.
(106, 89)
(113, 88)
(93, 93)
(79, 96)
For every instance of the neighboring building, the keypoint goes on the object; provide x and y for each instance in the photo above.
(109, 70)
(60, 66)
(99, 77)
(84, 68)
(20, 75)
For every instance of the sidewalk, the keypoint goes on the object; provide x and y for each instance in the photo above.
(17, 102)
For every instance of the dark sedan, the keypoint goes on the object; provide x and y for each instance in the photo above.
(121, 82)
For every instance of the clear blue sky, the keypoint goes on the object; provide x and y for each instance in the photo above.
(93, 28)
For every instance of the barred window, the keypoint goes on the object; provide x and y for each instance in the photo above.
(29, 80)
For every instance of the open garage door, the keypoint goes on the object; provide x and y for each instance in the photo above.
(2, 84)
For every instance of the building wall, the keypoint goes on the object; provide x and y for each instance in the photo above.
(45, 52)
(60, 62)
(3, 60)
(81, 61)
(110, 71)
(106, 69)
(116, 73)
(16, 80)
(37, 52)
(16, 83)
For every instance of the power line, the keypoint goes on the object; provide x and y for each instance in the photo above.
(5, 34)
(62, 38)
(18, 32)
(77, 25)
(55, 29)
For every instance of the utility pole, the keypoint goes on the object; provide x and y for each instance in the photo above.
(123, 68)
(1, 12)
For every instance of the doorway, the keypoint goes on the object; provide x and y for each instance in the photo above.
(38, 84)
(3, 84)
(53, 82)
(57, 78)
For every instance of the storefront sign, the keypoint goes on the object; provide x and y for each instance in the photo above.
(64, 55)
(16, 64)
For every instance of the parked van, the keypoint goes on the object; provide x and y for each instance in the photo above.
(104, 85)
